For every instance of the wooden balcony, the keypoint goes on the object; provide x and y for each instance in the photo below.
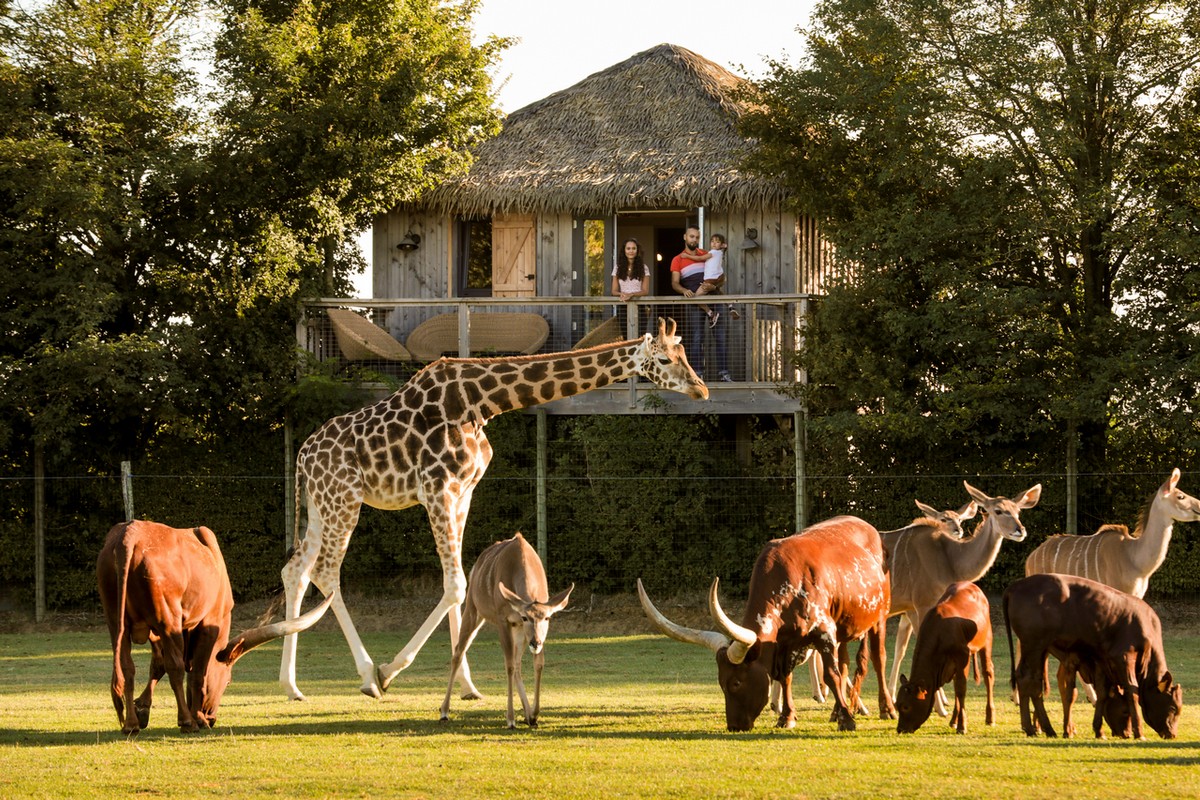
(760, 344)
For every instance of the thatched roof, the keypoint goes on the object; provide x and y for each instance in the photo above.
(655, 131)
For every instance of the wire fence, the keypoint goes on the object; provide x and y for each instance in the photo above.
(672, 529)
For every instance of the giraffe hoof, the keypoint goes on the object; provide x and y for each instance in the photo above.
(472, 695)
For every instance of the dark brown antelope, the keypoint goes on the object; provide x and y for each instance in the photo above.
(507, 588)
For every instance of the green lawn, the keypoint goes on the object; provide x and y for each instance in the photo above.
(636, 716)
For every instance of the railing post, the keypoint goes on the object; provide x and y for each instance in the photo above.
(464, 331)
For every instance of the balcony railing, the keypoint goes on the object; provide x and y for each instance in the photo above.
(762, 333)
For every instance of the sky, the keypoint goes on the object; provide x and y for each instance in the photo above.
(561, 42)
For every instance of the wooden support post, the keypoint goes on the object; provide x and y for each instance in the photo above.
(798, 426)
(542, 537)
(39, 532)
(1072, 521)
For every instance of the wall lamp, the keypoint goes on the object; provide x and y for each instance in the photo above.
(409, 243)
(751, 240)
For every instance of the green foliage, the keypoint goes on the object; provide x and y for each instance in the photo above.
(1003, 190)
(333, 112)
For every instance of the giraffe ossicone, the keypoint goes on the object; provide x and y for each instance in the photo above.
(425, 445)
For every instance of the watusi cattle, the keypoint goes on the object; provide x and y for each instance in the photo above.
(169, 586)
(814, 591)
(1061, 614)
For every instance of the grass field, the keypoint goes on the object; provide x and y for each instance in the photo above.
(622, 716)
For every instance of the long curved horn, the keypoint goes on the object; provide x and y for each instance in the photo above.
(710, 639)
(743, 638)
(252, 638)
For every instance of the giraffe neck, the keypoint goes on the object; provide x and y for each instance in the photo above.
(480, 388)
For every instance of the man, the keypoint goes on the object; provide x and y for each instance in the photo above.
(687, 273)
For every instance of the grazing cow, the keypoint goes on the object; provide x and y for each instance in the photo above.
(1065, 614)
(953, 633)
(945, 523)
(1114, 707)
(815, 591)
(507, 587)
(169, 586)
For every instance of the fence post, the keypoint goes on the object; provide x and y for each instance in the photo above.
(1072, 525)
(39, 532)
(542, 543)
(798, 430)
(289, 483)
(127, 488)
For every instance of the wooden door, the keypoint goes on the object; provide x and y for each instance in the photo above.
(514, 255)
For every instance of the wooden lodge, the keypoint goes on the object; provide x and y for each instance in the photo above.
(516, 255)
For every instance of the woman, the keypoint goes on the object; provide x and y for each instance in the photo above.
(630, 279)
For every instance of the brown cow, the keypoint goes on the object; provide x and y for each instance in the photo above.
(953, 633)
(169, 586)
(815, 591)
(1065, 614)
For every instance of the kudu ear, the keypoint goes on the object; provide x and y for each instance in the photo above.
(928, 511)
(1030, 498)
(1170, 483)
(968, 511)
(517, 603)
(559, 601)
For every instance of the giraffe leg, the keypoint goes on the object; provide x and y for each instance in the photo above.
(319, 562)
(296, 578)
(447, 520)
(454, 592)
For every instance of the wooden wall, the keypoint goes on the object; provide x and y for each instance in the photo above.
(790, 257)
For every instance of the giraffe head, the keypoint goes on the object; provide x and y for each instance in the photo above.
(661, 359)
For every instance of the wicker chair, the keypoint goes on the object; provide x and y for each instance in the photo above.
(491, 331)
(605, 332)
(362, 340)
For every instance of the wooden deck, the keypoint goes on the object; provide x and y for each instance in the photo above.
(761, 345)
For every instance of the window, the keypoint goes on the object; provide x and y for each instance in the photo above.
(473, 257)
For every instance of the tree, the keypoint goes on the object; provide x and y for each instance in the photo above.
(97, 131)
(978, 165)
(155, 245)
(333, 112)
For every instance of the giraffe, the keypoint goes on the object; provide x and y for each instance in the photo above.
(425, 445)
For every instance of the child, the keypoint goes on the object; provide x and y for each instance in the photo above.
(714, 274)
